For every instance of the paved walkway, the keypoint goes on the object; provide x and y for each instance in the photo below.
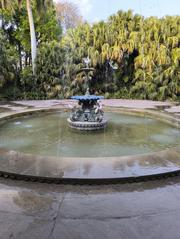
(138, 104)
(148, 210)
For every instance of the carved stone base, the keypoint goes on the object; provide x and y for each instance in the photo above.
(87, 126)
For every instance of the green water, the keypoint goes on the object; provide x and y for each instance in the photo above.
(49, 134)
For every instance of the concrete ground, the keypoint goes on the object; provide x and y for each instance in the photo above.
(170, 107)
(148, 210)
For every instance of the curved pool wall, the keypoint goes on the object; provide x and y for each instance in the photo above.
(77, 170)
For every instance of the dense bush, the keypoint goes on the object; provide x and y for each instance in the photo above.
(8, 69)
(133, 57)
(49, 70)
(145, 51)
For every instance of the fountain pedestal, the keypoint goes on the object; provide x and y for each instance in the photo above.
(88, 115)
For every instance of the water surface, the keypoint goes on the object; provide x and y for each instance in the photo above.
(49, 134)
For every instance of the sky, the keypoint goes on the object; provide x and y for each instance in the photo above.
(95, 10)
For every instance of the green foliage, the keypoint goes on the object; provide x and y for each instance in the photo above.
(144, 53)
(49, 70)
(15, 29)
(46, 25)
(47, 28)
(8, 70)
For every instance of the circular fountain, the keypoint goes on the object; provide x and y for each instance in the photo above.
(39, 146)
(89, 114)
(137, 144)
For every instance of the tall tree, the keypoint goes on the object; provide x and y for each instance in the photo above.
(41, 6)
(32, 34)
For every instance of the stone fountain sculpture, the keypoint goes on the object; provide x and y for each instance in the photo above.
(89, 114)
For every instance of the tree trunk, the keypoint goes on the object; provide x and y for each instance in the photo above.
(20, 57)
(32, 34)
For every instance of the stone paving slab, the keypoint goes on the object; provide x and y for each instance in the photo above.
(147, 227)
(139, 104)
(143, 210)
(16, 226)
(173, 109)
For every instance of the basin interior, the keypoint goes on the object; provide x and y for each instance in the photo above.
(49, 134)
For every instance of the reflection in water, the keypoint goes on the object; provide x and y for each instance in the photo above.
(49, 134)
(104, 167)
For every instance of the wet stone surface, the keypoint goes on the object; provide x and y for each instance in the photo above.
(88, 168)
(147, 210)
(140, 210)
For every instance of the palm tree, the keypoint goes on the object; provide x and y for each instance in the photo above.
(32, 34)
(41, 7)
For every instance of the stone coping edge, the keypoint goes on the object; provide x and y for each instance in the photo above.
(90, 181)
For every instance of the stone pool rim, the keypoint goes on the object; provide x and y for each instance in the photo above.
(156, 114)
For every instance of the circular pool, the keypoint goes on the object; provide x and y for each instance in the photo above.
(49, 134)
(41, 145)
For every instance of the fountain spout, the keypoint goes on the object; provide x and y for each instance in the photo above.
(89, 116)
